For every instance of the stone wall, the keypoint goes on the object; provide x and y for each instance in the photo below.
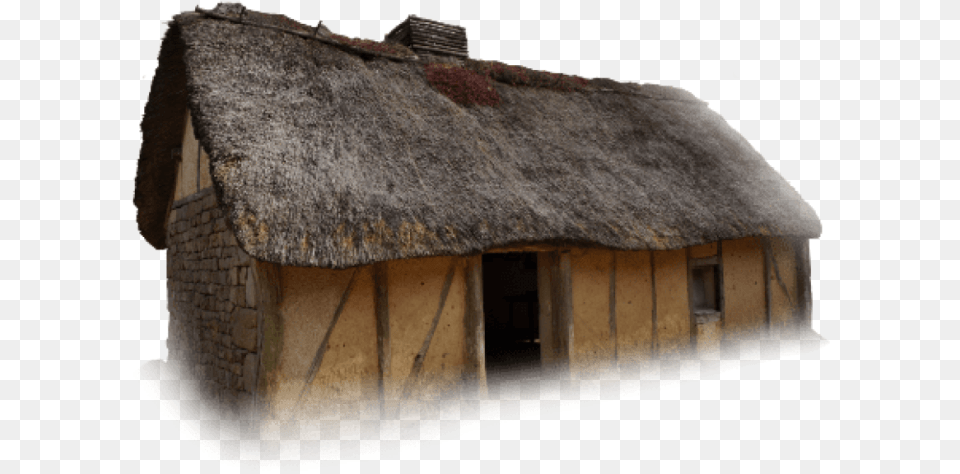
(212, 300)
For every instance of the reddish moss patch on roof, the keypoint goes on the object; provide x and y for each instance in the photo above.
(284, 21)
(373, 46)
(522, 76)
(461, 85)
(472, 84)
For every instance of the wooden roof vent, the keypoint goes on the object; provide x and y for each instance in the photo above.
(430, 37)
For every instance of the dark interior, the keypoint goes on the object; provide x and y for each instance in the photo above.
(511, 311)
(705, 290)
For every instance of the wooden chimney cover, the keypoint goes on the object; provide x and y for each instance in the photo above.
(431, 37)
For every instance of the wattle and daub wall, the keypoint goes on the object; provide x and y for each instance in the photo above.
(349, 367)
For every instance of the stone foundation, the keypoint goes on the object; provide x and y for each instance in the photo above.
(212, 301)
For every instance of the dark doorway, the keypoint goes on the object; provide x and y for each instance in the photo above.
(511, 311)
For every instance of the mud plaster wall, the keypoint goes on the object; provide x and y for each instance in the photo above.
(673, 313)
(349, 365)
(634, 306)
(744, 294)
(590, 277)
(782, 309)
(708, 337)
(414, 288)
(211, 298)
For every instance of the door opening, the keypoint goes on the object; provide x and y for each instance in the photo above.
(511, 311)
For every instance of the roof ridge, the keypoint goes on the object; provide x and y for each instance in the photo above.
(314, 36)
(414, 58)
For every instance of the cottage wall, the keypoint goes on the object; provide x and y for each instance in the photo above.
(213, 322)
(783, 303)
(673, 308)
(634, 306)
(592, 344)
(743, 287)
(347, 377)
(348, 364)
(212, 302)
(742, 264)
(415, 288)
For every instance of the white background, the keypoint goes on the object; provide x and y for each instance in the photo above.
(854, 103)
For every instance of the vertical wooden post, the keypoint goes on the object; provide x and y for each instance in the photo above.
(382, 310)
(197, 177)
(693, 317)
(269, 330)
(475, 371)
(655, 341)
(563, 302)
(804, 294)
(546, 261)
(767, 275)
(556, 310)
(613, 304)
(719, 283)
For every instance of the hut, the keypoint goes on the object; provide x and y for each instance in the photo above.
(353, 219)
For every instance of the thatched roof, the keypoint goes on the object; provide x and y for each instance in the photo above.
(324, 157)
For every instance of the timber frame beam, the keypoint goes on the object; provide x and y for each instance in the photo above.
(382, 310)
(555, 285)
(475, 372)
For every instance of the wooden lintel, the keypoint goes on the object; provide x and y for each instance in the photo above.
(526, 248)
(699, 262)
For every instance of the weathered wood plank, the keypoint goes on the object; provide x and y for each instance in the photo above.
(382, 310)
(420, 21)
(269, 330)
(613, 305)
(475, 373)
(804, 294)
(693, 317)
(438, 45)
(563, 306)
(655, 341)
(418, 37)
(720, 283)
(545, 262)
(767, 290)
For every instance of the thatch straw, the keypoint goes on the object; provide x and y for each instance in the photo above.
(323, 158)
